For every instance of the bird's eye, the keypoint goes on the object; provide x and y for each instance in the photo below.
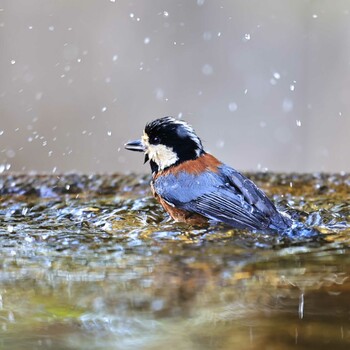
(156, 140)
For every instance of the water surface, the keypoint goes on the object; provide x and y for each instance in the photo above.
(92, 262)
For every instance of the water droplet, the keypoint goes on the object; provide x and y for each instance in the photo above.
(246, 37)
(277, 75)
(314, 15)
(13, 61)
(298, 122)
(115, 57)
(287, 105)
(54, 169)
(220, 144)
(165, 13)
(200, 2)
(38, 95)
(233, 106)
(1, 132)
(30, 27)
(103, 109)
(207, 69)
(10, 228)
(131, 15)
(219, 34)
(109, 133)
(207, 36)
(51, 28)
(245, 91)
(159, 94)
(112, 0)
(147, 40)
(291, 87)
(10, 153)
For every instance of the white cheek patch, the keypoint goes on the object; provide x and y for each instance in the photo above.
(162, 155)
(145, 140)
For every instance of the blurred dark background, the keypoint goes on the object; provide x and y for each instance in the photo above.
(266, 84)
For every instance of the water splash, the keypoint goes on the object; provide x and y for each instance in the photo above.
(93, 260)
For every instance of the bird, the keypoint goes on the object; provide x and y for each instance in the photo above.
(196, 188)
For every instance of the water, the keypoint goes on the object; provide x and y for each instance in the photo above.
(92, 262)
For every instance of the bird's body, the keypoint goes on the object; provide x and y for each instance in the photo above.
(195, 187)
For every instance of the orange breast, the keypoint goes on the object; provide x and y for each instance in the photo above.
(182, 215)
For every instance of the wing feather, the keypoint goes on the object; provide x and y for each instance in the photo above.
(226, 196)
(225, 205)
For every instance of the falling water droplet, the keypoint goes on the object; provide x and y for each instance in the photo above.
(232, 106)
(207, 69)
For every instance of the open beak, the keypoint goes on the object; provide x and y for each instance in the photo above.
(136, 145)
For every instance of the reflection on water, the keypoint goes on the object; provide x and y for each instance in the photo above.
(93, 262)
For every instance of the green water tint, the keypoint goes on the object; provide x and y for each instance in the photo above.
(92, 262)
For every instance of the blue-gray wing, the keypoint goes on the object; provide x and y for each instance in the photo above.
(225, 206)
(226, 196)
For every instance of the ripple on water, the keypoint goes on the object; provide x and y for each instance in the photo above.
(93, 260)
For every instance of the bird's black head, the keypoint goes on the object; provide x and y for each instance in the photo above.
(166, 142)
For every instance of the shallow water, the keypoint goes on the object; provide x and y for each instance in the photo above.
(92, 262)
